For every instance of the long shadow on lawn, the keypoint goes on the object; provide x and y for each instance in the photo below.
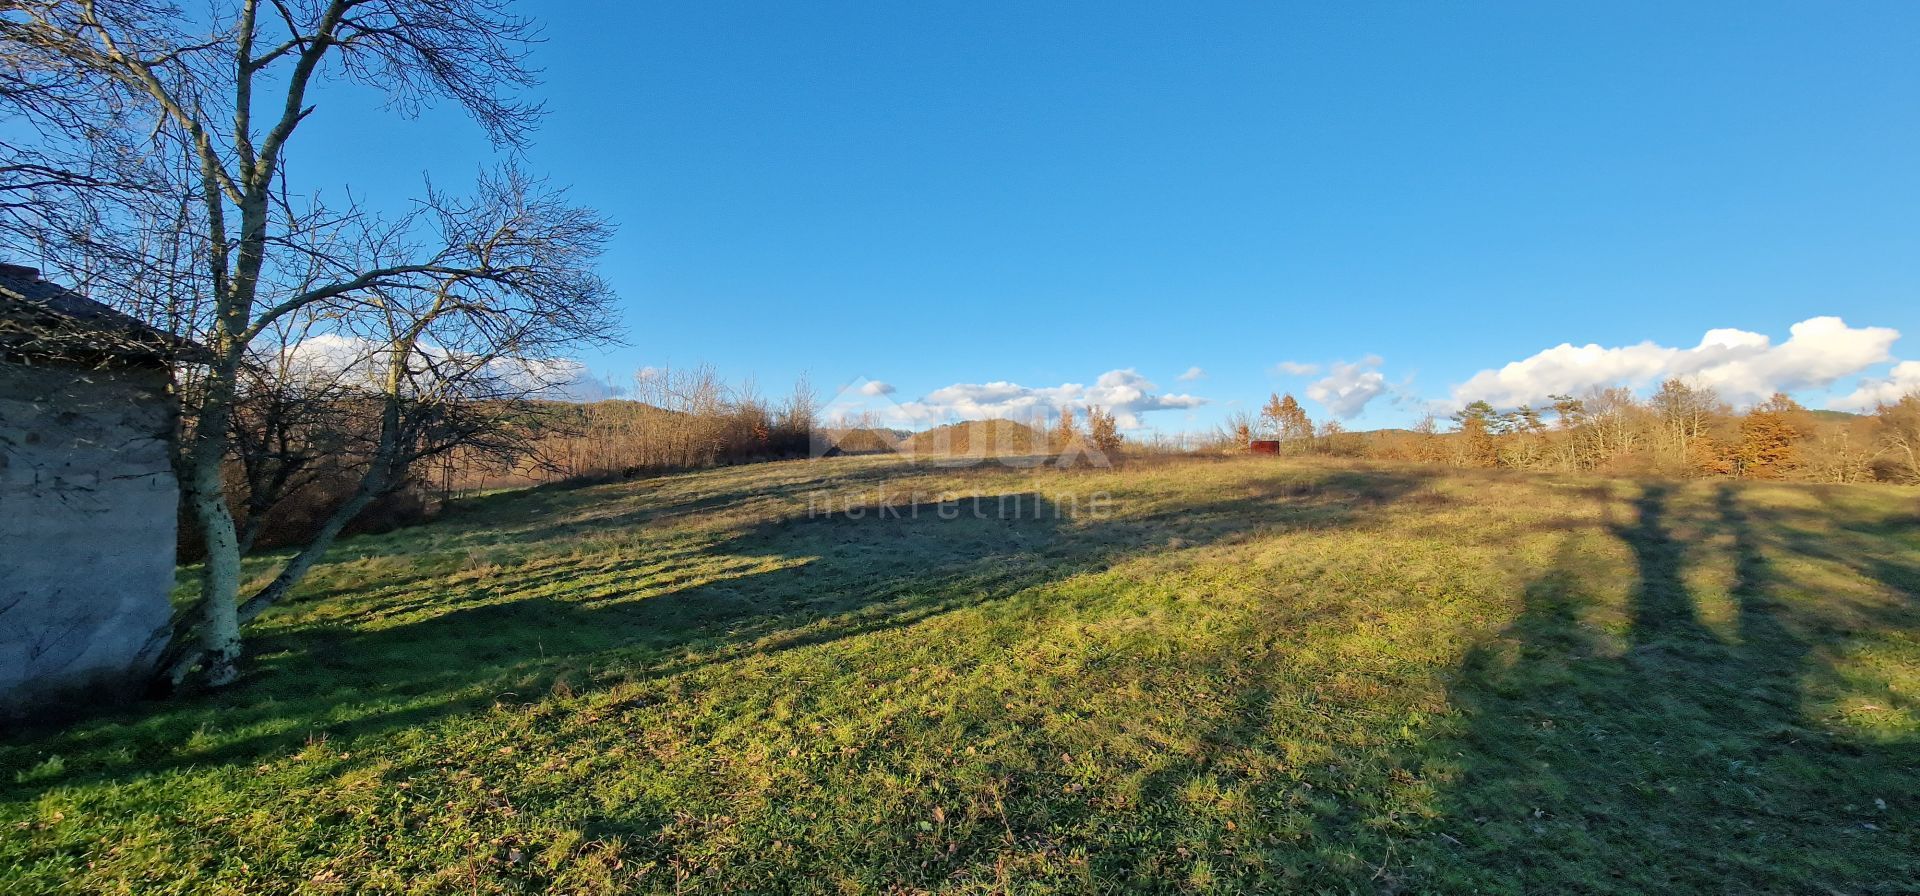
(529, 516)
(1685, 763)
(836, 575)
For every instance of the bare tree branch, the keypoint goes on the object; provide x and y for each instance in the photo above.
(153, 175)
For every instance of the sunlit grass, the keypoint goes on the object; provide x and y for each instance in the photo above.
(1222, 676)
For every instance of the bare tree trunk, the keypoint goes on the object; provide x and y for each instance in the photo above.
(218, 650)
(98, 74)
(291, 574)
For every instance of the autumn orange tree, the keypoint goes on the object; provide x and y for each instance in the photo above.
(1065, 432)
(1103, 431)
(1767, 437)
(1288, 422)
(1476, 423)
(1240, 430)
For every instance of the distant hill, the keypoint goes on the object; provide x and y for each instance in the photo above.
(606, 408)
(985, 438)
(862, 440)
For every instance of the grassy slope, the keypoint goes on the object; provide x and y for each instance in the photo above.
(1249, 674)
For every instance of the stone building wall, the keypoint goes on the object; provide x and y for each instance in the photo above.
(88, 503)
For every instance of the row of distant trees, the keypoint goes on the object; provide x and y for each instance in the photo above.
(303, 437)
(302, 441)
(691, 418)
(677, 419)
(1682, 429)
(1283, 420)
(304, 434)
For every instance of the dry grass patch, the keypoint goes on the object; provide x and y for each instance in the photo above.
(1223, 676)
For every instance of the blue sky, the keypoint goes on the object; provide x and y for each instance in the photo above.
(941, 195)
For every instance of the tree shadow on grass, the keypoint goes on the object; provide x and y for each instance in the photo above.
(557, 512)
(1671, 759)
(781, 585)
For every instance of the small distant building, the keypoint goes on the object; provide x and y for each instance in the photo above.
(1264, 446)
(88, 498)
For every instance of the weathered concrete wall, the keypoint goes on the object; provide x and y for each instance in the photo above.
(88, 504)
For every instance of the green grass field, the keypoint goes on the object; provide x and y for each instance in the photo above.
(1248, 675)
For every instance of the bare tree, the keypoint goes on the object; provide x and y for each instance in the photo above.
(289, 426)
(213, 102)
(1613, 426)
(1899, 429)
(1236, 432)
(1684, 411)
(54, 188)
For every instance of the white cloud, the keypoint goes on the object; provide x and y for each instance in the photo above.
(340, 360)
(328, 357)
(1871, 393)
(876, 387)
(1295, 368)
(574, 382)
(1124, 392)
(1741, 366)
(1348, 387)
(1193, 373)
